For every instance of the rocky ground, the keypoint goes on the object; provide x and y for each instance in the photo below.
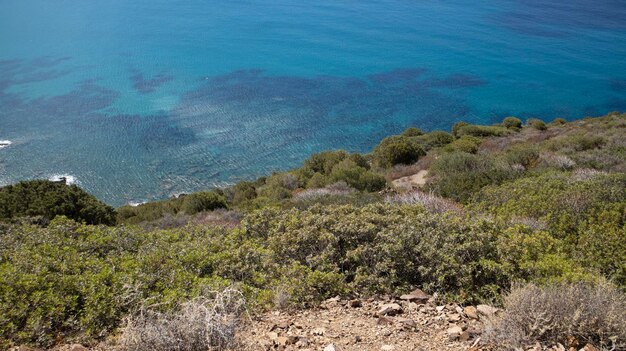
(412, 322)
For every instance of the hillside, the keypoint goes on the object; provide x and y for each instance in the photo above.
(528, 217)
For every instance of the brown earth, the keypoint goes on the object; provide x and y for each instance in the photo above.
(416, 180)
(366, 325)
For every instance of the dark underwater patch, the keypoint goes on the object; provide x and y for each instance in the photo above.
(148, 85)
(618, 84)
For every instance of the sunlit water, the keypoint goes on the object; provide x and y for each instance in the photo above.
(138, 100)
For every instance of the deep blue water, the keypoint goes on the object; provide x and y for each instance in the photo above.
(145, 98)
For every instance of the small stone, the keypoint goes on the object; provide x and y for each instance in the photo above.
(454, 317)
(272, 335)
(454, 332)
(407, 322)
(282, 340)
(331, 347)
(416, 295)
(357, 339)
(382, 320)
(464, 336)
(390, 309)
(471, 312)
(78, 347)
(589, 347)
(387, 347)
(440, 308)
(486, 310)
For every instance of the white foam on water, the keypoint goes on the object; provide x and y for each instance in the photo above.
(69, 179)
(5, 143)
(136, 203)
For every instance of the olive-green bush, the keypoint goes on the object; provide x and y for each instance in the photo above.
(512, 123)
(412, 132)
(49, 199)
(185, 203)
(459, 175)
(482, 131)
(466, 143)
(397, 149)
(537, 124)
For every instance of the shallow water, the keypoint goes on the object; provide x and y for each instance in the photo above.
(143, 99)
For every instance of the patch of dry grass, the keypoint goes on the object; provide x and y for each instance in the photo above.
(560, 314)
(431, 202)
(198, 325)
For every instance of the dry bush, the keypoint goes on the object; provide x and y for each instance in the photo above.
(560, 314)
(198, 325)
(220, 217)
(582, 174)
(339, 188)
(557, 161)
(431, 202)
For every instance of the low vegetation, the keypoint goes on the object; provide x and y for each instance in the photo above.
(565, 314)
(507, 204)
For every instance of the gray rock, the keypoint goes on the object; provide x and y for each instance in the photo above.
(390, 309)
(454, 332)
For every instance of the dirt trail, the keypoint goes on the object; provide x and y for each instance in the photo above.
(413, 181)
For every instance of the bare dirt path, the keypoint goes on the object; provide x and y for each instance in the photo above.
(416, 180)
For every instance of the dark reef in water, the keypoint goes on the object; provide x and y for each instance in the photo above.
(148, 85)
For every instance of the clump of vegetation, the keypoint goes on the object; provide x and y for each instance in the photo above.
(188, 204)
(49, 199)
(435, 139)
(459, 175)
(466, 143)
(512, 123)
(566, 314)
(482, 131)
(537, 124)
(197, 325)
(398, 150)
(412, 132)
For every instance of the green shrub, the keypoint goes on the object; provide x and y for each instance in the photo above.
(357, 177)
(512, 123)
(396, 149)
(457, 127)
(324, 162)
(202, 201)
(241, 193)
(536, 123)
(49, 199)
(412, 132)
(465, 143)
(581, 142)
(561, 200)
(458, 175)
(558, 121)
(482, 131)
(318, 180)
(434, 139)
(522, 154)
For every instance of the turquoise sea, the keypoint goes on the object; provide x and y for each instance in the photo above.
(143, 99)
